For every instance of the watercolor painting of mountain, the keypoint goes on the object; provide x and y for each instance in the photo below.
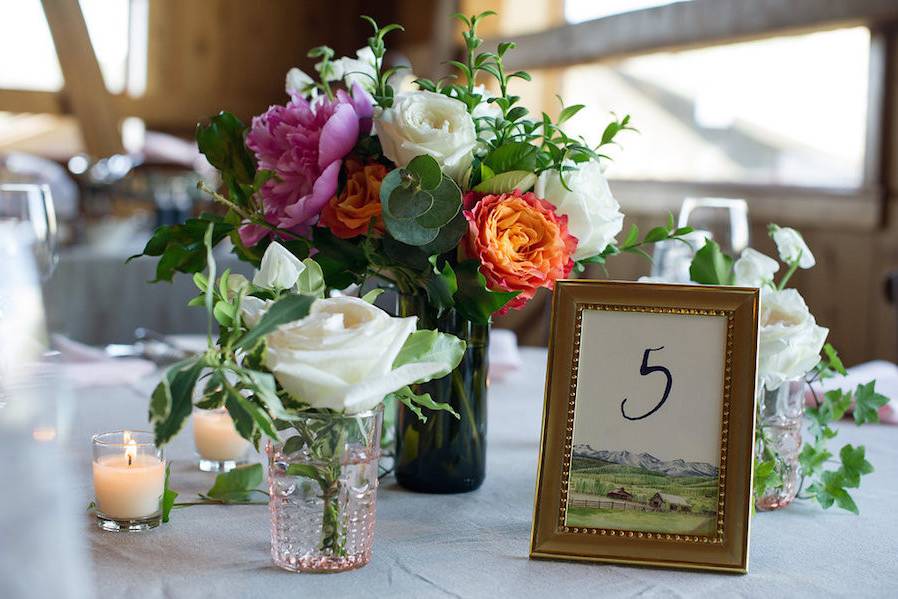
(624, 490)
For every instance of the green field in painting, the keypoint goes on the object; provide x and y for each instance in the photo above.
(668, 522)
(596, 478)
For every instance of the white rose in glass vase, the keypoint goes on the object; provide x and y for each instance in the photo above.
(790, 339)
(594, 216)
(343, 355)
(424, 122)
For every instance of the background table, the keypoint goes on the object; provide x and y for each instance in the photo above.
(476, 544)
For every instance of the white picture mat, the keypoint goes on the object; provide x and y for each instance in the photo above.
(612, 346)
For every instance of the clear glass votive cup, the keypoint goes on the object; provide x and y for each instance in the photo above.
(219, 446)
(129, 479)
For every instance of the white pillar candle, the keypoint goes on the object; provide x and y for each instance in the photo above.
(216, 437)
(128, 486)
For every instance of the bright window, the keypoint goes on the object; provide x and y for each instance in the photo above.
(577, 11)
(787, 110)
(28, 57)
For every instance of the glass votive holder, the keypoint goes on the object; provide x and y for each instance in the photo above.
(218, 444)
(129, 479)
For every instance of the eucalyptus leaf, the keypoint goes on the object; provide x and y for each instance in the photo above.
(446, 205)
(448, 237)
(426, 169)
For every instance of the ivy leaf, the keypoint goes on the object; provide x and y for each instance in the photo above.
(710, 266)
(238, 484)
(854, 465)
(812, 458)
(867, 403)
(168, 495)
(833, 406)
(414, 402)
(831, 489)
(287, 309)
(474, 300)
(833, 359)
(171, 402)
(765, 477)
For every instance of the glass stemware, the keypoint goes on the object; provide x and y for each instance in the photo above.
(30, 208)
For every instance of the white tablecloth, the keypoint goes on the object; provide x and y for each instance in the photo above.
(476, 544)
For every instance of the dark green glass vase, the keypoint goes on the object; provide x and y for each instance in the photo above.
(446, 454)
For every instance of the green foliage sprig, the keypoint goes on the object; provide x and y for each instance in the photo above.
(827, 486)
(383, 91)
(634, 245)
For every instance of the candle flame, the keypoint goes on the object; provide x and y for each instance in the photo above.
(130, 447)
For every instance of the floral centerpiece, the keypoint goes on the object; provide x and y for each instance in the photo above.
(455, 197)
(792, 356)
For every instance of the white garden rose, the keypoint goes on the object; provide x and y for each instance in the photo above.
(279, 269)
(341, 355)
(594, 216)
(754, 269)
(359, 70)
(792, 247)
(790, 340)
(424, 122)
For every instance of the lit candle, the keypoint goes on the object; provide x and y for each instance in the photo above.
(129, 477)
(216, 438)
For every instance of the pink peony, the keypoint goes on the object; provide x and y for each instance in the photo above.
(304, 143)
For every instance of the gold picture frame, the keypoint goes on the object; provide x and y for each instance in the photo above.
(706, 529)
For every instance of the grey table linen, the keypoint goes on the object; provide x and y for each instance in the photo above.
(475, 544)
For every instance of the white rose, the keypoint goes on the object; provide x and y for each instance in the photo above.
(790, 340)
(791, 246)
(341, 355)
(754, 269)
(428, 123)
(359, 70)
(300, 83)
(279, 269)
(594, 216)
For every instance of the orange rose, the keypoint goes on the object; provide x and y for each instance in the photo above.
(350, 213)
(521, 242)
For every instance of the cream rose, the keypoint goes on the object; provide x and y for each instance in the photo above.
(424, 122)
(341, 356)
(790, 340)
(279, 269)
(594, 216)
(792, 247)
(754, 269)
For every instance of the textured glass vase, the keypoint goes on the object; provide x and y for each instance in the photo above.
(322, 478)
(779, 421)
(446, 454)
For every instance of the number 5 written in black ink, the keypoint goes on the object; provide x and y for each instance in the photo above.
(646, 370)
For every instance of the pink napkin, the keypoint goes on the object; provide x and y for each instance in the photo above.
(504, 356)
(87, 366)
(886, 375)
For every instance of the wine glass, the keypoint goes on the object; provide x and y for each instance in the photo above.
(725, 219)
(29, 208)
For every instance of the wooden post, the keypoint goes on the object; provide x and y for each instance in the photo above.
(85, 90)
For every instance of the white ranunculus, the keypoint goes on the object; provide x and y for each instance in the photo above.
(279, 270)
(361, 69)
(791, 247)
(424, 122)
(790, 340)
(341, 355)
(754, 269)
(594, 216)
(300, 83)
